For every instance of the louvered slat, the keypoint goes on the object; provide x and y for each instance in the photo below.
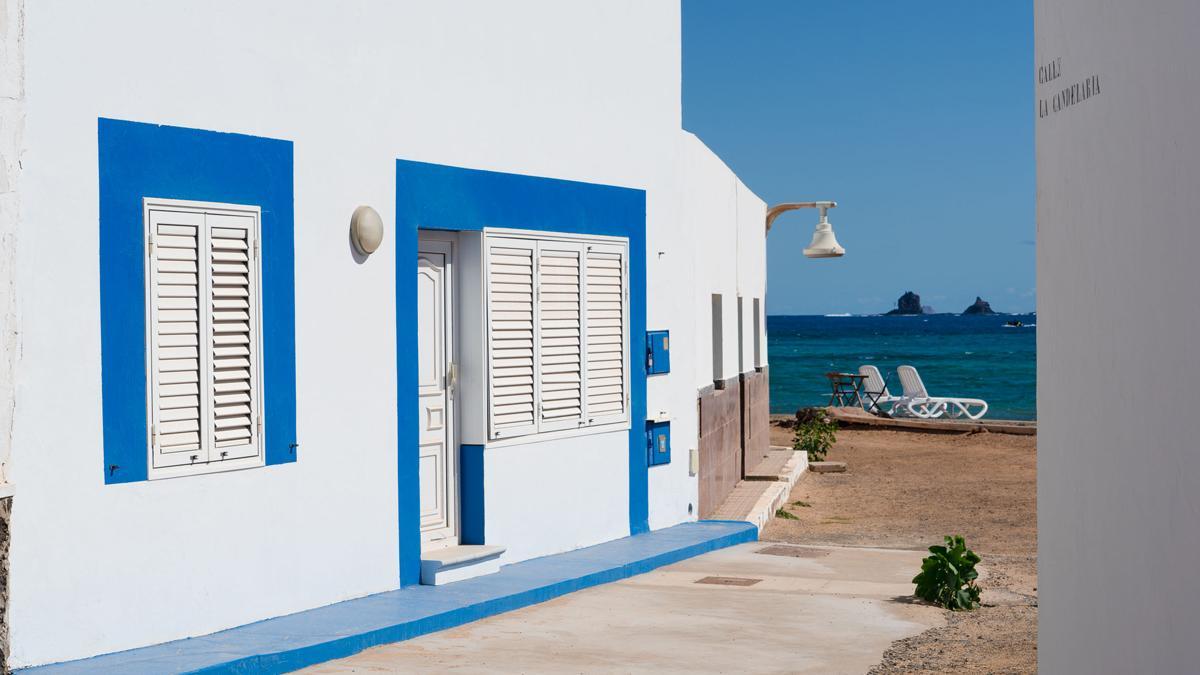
(510, 319)
(606, 352)
(559, 316)
(230, 348)
(174, 335)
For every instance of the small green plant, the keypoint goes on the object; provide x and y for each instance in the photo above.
(785, 515)
(801, 502)
(815, 433)
(948, 576)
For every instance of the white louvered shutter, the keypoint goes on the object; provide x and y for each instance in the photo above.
(177, 406)
(233, 337)
(559, 344)
(510, 289)
(607, 330)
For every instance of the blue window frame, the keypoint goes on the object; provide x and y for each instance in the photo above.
(138, 160)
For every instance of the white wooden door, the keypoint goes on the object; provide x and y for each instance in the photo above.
(435, 350)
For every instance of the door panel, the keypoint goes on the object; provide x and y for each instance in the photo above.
(437, 448)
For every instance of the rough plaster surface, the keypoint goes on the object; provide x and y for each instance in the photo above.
(5, 537)
(756, 415)
(733, 417)
(12, 124)
(720, 444)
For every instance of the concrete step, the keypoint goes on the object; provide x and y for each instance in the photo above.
(827, 467)
(774, 465)
(455, 563)
(756, 500)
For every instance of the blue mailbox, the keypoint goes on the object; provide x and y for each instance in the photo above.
(658, 351)
(658, 443)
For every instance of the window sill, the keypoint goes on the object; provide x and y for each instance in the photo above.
(557, 435)
(206, 468)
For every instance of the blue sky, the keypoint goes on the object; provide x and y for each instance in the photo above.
(916, 117)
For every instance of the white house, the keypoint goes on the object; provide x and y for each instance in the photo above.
(216, 409)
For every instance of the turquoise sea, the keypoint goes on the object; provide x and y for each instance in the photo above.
(970, 356)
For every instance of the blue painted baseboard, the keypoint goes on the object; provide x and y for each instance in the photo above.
(291, 642)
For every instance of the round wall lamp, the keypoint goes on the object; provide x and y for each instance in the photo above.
(366, 229)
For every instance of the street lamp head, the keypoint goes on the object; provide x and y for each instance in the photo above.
(824, 244)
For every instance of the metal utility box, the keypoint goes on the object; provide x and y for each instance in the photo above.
(658, 351)
(658, 443)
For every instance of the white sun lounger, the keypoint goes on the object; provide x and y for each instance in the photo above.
(875, 392)
(918, 401)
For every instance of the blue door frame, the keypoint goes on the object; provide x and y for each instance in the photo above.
(439, 197)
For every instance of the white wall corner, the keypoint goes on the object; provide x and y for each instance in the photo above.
(12, 124)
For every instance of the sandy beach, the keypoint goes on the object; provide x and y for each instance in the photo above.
(906, 490)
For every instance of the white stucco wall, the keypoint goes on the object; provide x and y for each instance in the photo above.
(751, 268)
(670, 284)
(1118, 467)
(725, 221)
(532, 87)
(557, 495)
(717, 247)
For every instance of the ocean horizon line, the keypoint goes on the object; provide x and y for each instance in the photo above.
(838, 315)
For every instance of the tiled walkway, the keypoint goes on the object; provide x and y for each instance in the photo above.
(765, 488)
(773, 465)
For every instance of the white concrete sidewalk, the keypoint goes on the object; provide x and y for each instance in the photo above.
(809, 610)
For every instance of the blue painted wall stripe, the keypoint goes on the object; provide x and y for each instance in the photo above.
(291, 642)
(471, 494)
(139, 160)
(408, 434)
(439, 197)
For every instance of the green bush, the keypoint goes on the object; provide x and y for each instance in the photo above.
(785, 514)
(815, 433)
(948, 576)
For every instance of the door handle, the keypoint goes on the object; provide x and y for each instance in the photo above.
(451, 378)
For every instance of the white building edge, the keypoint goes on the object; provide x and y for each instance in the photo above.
(1118, 154)
(214, 409)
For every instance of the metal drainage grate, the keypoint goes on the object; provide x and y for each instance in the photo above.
(793, 551)
(728, 581)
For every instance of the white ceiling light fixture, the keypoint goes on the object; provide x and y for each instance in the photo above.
(824, 244)
(366, 229)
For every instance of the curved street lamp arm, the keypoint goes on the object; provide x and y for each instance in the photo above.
(775, 211)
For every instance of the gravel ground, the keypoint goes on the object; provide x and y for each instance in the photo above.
(906, 490)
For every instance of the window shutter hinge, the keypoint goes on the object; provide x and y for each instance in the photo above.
(154, 435)
(150, 246)
(258, 425)
(256, 248)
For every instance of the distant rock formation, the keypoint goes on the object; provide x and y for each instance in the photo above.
(909, 303)
(980, 307)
